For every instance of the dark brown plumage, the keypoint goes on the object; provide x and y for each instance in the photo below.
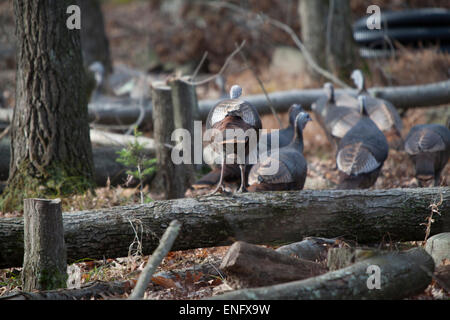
(284, 169)
(361, 153)
(232, 172)
(231, 116)
(429, 148)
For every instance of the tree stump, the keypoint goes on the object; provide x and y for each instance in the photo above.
(185, 112)
(45, 262)
(171, 180)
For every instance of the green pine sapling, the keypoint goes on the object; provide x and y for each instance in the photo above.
(134, 156)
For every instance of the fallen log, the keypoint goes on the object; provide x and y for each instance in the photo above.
(125, 111)
(98, 289)
(311, 248)
(105, 164)
(259, 218)
(249, 266)
(402, 274)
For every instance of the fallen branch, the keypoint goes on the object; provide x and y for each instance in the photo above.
(279, 217)
(155, 260)
(98, 289)
(125, 111)
(248, 266)
(402, 274)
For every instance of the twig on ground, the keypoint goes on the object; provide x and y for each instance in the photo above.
(155, 260)
(434, 209)
(5, 132)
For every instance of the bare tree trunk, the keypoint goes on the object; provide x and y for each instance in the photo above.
(327, 35)
(45, 262)
(278, 217)
(51, 149)
(94, 42)
(313, 21)
(341, 48)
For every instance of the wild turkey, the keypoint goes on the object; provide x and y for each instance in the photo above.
(284, 135)
(231, 171)
(234, 114)
(361, 152)
(289, 160)
(429, 148)
(335, 120)
(382, 112)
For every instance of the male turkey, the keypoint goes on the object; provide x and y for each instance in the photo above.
(289, 160)
(226, 117)
(361, 152)
(231, 171)
(335, 120)
(382, 112)
(429, 148)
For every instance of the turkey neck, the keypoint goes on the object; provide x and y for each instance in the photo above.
(297, 140)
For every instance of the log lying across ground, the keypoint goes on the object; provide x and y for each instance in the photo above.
(402, 275)
(258, 218)
(105, 162)
(125, 111)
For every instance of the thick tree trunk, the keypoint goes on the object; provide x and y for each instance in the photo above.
(94, 42)
(313, 20)
(248, 266)
(258, 218)
(50, 132)
(45, 262)
(402, 274)
(327, 35)
(342, 53)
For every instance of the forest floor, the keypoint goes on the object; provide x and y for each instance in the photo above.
(126, 25)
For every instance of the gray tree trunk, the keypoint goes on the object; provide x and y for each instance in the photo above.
(367, 216)
(94, 42)
(342, 53)
(45, 258)
(51, 149)
(327, 35)
(402, 274)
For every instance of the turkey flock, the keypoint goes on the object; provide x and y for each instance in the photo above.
(360, 128)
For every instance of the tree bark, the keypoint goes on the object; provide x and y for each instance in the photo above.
(248, 266)
(45, 258)
(311, 248)
(172, 180)
(94, 42)
(313, 21)
(403, 274)
(342, 53)
(279, 217)
(51, 150)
